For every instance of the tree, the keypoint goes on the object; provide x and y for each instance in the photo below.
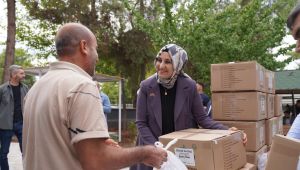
(130, 32)
(119, 48)
(218, 32)
(10, 42)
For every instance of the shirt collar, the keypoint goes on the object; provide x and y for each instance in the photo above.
(70, 66)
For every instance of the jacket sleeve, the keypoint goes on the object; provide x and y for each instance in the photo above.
(142, 121)
(200, 115)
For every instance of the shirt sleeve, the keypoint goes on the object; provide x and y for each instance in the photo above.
(86, 115)
(294, 131)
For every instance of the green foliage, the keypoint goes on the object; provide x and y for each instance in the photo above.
(214, 32)
(129, 33)
(111, 89)
(36, 34)
(132, 130)
(122, 52)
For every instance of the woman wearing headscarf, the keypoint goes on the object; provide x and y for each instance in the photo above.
(168, 101)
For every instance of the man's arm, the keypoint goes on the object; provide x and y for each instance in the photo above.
(95, 154)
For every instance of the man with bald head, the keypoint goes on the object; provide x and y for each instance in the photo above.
(64, 123)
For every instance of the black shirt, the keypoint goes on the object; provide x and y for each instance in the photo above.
(17, 103)
(167, 97)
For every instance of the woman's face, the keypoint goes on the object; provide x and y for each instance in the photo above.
(164, 66)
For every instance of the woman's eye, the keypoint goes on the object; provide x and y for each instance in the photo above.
(168, 62)
(158, 60)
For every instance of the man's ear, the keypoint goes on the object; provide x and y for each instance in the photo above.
(13, 75)
(83, 47)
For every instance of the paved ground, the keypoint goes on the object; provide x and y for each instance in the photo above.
(15, 157)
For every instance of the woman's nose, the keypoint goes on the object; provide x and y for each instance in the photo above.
(162, 64)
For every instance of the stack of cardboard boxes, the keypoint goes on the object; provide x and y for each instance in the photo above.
(243, 96)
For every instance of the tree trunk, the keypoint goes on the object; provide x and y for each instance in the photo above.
(11, 38)
(142, 8)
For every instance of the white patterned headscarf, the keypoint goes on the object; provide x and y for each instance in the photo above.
(179, 58)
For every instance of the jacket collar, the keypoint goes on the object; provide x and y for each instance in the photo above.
(155, 99)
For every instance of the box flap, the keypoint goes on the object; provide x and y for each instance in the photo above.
(284, 153)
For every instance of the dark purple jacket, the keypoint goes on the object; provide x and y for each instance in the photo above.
(189, 111)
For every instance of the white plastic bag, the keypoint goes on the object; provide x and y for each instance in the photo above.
(262, 161)
(173, 162)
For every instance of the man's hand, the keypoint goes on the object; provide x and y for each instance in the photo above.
(244, 135)
(154, 156)
(111, 142)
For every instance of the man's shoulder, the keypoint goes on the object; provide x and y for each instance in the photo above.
(150, 80)
(187, 81)
(67, 75)
(24, 85)
(4, 85)
(103, 94)
(204, 97)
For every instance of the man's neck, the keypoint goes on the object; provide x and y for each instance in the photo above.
(14, 82)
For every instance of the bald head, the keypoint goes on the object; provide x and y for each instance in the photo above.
(69, 36)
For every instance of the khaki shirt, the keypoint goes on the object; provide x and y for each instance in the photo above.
(61, 108)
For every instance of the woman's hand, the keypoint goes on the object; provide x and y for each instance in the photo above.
(244, 135)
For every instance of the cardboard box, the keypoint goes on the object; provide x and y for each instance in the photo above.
(278, 106)
(271, 129)
(239, 106)
(252, 157)
(284, 154)
(249, 166)
(203, 149)
(243, 76)
(255, 133)
(270, 81)
(270, 106)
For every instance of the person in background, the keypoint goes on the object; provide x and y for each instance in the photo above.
(168, 101)
(12, 94)
(105, 101)
(295, 111)
(297, 107)
(286, 116)
(205, 99)
(293, 23)
(64, 124)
